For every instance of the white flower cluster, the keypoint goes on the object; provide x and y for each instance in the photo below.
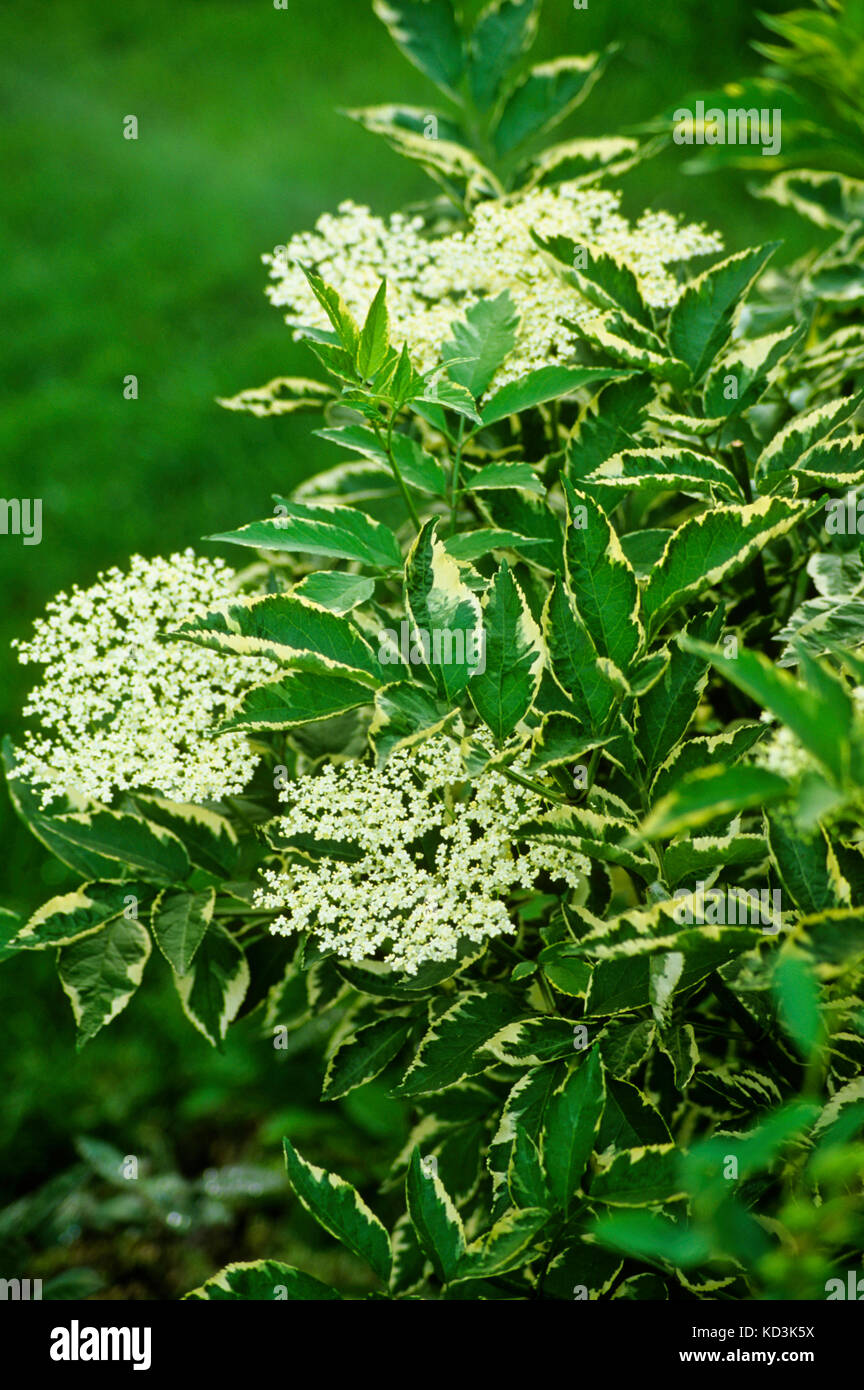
(431, 282)
(783, 751)
(437, 857)
(118, 707)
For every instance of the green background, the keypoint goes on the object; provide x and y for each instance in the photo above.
(143, 257)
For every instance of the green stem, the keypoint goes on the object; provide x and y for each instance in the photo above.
(595, 756)
(742, 472)
(532, 786)
(454, 477)
(387, 446)
(546, 992)
(243, 912)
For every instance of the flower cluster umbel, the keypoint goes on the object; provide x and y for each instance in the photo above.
(437, 854)
(432, 281)
(119, 707)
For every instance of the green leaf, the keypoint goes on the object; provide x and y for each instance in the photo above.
(153, 852)
(807, 865)
(210, 839)
(399, 116)
(690, 858)
(618, 986)
(835, 936)
(503, 692)
(525, 1179)
(712, 547)
(340, 1210)
(747, 365)
(548, 93)
(473, 545)
(687, 757)
(571, 1126)
(451, 164)
(409, 1262)
(702, 1169)
(533, 528)
(180, 922)
(565, 972)
(791, 444)
(522, 1113)
(375, 336)
(215, 986)
(341, 532)
(702, 319)
(292, 631)
(710, 793)
(641, 1177)
(827, 198)
(585, 832)
(282, 396)
(447, 1052)
(614, 334)
(833, 463)
(427, 33)
(418, 468)
(347, 485)
(26, 802)
(649, 1236)
(681, 1048)
(333, 589)
(584, 161)
(511, 1243)
(481, 340)
(494, 476)
(441, 390)
(263, 1280)
(624, 1046)
(300, 697)
(337, 312)
(608, 283)
(543, 384)
(445, 613)
(822, 721)
(503, 32)
(530, 1042)
(666, 469)
(611, 422)
(364, 1055)
(435, 1219)
(69, 917)
(666, 709)
(797, 992)
(405, 714)
(101, 972)
(629, 1119)
(601, 580)
(560, 739)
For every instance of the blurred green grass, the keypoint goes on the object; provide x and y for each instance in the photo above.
(143, 257)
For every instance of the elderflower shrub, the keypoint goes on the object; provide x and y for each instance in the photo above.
(433, 280)
(118, 707)
(401, 897)
(604, 525)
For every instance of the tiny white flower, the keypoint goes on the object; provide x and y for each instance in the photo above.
(437, 857)
(432, 281)
(118, 707)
